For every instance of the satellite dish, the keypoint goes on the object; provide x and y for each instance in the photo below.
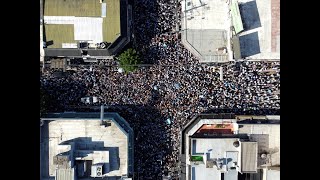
(263, 156)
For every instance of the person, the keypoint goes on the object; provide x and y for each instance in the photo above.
(145, 107)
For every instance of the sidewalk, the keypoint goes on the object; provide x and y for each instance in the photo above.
(41, 44)
(41, 33)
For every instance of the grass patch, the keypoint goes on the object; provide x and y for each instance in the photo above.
(59, 34)
(81, 8)
(78, 8)
(111, 24)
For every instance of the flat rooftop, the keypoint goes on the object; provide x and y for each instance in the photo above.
(111, 137)
(112, 144)
(214, 148)
(201, 172)
(268, 138)
(70, 21)
(272, 175)
(206, 28)
(254, 140)
(261, 36)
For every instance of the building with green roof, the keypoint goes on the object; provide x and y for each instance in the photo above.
(89, 29)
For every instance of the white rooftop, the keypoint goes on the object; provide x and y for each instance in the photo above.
(206, 29)
(85, 28)
(213, 148)
(217, 148)
(212, 14)
(90, 131)
(272, 175)
(200, 172)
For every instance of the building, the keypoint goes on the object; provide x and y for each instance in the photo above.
(229, 147)
(260, 38)
(88, 29)
(85, 146)
(218, 31)
(206, 30)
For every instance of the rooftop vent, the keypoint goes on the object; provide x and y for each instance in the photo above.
(236, 144)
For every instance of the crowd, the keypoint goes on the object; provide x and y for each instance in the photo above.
(176, 92)
(159, 100)
(155, 29)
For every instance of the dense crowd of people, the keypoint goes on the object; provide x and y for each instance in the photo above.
(155, 30)
(159, 100)
(176, 92)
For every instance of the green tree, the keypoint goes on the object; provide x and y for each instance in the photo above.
(129, 60)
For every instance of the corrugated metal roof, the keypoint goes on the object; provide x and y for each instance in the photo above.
(65, 174)
(249, 153)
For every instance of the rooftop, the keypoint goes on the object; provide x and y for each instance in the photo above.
(111, 137)
(249, 153)
(212, 30)
(206, 29)
(261, 36)
(88, 140)
(220, 146)
(69, 21)
(215, 149)
(268, 138)
(273, 175)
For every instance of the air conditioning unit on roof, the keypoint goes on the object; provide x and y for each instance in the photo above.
(96, 170)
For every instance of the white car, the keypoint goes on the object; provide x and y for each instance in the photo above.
(89, 100)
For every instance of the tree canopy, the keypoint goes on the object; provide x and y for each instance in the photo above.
(129, 60)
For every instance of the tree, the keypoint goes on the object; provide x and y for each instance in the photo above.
(128, 60)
